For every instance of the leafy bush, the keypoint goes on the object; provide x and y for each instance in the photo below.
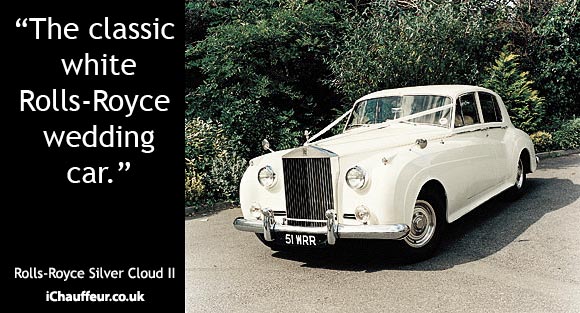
(542, 141)
(204, 141)
(568, 136)
(391, 45)
(525, 106)
(261, 70)
(225, 176)
(194, 187)
(212, 170)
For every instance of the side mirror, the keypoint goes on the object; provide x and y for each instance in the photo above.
(266, 145)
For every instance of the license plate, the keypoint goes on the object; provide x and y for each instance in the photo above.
(302, 240)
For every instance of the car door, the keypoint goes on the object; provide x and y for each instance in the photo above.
(496, 131)
(471, 170)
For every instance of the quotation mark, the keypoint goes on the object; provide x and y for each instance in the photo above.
(23, 24)
(124, 165)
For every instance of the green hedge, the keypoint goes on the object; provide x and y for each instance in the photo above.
(568, 136)
(565, 138)
(212, 170)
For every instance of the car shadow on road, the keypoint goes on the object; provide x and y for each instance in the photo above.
(479, 234)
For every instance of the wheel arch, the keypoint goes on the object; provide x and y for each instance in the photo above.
(526, 159)
(431, 185)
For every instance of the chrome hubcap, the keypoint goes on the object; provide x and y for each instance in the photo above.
(520, 175)
(422, 225)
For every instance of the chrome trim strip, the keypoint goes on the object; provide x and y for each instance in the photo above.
(394, 231)
(304, 220)
(300, 229)
(471, 130)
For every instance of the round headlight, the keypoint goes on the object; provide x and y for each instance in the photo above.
(356, 177)
(266, 176)
(362, 213)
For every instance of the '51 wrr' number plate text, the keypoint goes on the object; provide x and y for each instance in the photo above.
(300, 240)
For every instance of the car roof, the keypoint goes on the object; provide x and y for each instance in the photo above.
(439, 90)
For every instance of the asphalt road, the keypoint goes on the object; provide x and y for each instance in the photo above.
(503, 257)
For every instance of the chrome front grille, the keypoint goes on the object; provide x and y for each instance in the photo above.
(308, 186)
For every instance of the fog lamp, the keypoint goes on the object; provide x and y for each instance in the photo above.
(256, 210)
(362, 213)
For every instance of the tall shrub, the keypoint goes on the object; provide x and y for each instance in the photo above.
(525, 106)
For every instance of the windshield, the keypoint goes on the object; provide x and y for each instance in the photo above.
(417, 109)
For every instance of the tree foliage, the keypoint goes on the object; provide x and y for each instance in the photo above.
(557, 60)
(525, 106)
(389, 46)
(262, 71)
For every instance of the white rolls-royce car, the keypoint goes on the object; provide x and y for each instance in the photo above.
(407, 162)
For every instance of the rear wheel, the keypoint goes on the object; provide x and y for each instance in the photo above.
(518, 189)
(427, 225)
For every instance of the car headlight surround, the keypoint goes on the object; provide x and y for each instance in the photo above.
(356, 177)
(267, 177)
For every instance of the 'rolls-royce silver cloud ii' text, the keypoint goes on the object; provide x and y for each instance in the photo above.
(407, 162)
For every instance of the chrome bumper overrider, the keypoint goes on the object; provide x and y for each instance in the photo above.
(332, 230)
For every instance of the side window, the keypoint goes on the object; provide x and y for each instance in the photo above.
(466, 111)
(489, 108)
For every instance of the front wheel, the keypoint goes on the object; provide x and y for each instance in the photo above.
(426, 229)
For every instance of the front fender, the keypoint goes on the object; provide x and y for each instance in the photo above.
(396, 178)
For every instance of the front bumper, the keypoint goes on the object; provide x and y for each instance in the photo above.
(333, 230)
